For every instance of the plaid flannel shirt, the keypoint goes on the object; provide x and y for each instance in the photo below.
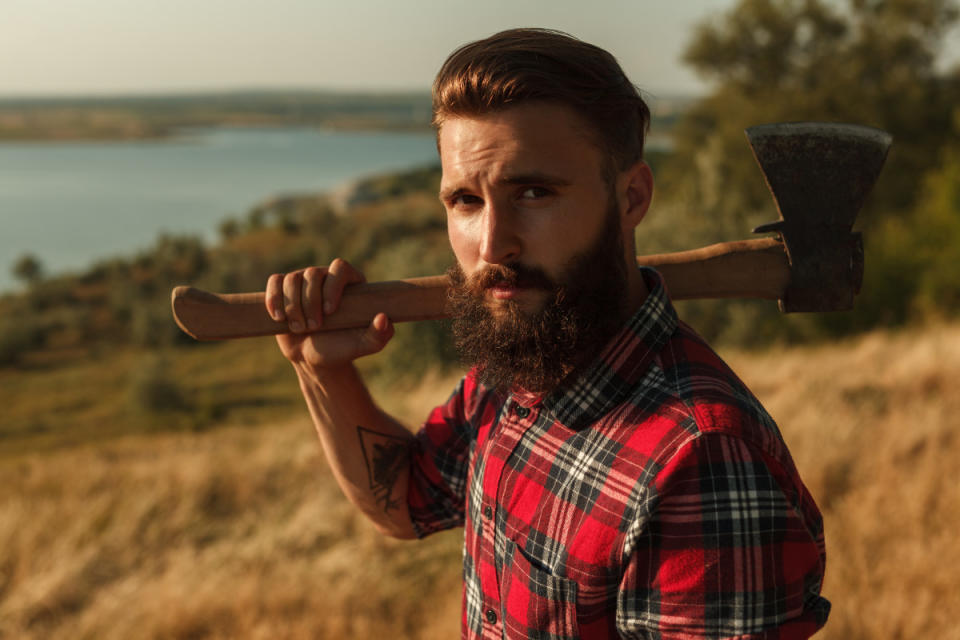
(652, 498)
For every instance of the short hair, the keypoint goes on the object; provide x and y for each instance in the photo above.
(525, 65)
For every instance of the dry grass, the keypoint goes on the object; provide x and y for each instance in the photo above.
(873, 426)
(238, 533)
(241, 533)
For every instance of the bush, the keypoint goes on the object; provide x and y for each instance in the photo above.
(152, 325)
(28, 269)
(153, 390)
(17, 338)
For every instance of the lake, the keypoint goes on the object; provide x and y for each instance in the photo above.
(71, 204)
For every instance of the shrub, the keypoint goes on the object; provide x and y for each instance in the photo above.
(28, 269)
(152, 325)
(153, 390)
(17, 338)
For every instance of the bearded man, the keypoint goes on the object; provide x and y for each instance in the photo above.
(613, 476)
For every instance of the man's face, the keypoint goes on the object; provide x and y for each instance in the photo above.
(541, 276)
(521, 186)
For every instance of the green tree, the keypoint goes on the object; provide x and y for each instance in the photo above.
(28, 269)
(864, 61)
(936, 236)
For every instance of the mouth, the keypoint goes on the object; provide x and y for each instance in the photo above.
(507, 284)
(505, 291)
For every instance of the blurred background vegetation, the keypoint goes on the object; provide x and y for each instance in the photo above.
(866, 61)
(91, 357)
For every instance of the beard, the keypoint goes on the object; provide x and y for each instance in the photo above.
(510, 348)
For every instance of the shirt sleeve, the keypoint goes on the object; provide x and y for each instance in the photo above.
(730, 546)
(439, 462)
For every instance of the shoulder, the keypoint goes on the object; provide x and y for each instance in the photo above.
(689, 403)
(710, 398)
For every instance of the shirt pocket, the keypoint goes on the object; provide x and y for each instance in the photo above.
(536, 603)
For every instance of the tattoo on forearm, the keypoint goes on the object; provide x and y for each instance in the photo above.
(385, 457)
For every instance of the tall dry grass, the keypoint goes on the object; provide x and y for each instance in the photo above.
(874, 426)
(241, 532)
(237, 533)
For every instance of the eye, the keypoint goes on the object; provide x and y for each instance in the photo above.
(462, 202)
(465, 200)
(535, 193)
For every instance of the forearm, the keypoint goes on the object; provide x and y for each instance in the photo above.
(367, 450)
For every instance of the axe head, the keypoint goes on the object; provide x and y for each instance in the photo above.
(819, 174)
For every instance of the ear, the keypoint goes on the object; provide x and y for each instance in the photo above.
(635, 188)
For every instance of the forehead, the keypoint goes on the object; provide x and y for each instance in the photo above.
(532, 137)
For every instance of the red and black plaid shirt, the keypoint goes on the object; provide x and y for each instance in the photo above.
(654, 498)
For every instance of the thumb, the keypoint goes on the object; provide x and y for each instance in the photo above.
(377, 335)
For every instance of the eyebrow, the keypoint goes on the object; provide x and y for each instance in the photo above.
(535, 178)
(519, 179)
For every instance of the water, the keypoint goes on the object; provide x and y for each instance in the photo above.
(70, 204)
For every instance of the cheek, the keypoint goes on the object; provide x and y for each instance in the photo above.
(460, 241)
(561, 236)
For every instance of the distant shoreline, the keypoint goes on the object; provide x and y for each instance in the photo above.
(160, 117)
(660, 142)
(71, 204)
(176, 132)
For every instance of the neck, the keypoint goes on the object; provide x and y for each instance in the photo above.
(637, 291)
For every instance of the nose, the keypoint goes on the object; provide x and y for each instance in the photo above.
(499, 241)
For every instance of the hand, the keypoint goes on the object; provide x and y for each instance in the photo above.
(302, 299)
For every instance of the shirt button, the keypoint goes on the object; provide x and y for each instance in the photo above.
(488, 512)
(491, 616)
(523, 412)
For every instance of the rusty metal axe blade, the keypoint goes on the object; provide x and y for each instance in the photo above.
(819, 174)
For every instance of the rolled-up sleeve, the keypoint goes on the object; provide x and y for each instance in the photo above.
(729, 547)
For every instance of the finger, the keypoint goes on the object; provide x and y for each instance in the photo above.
(312, 296)
(274, 297)
(376, 336)
(331, 349)
(292, 305)
(339, 275)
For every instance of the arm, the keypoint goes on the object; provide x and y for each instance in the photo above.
(726, 550)
(367, 450)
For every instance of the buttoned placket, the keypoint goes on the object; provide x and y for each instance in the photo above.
(499, 448)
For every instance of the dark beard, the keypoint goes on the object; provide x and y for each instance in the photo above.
(537, 351)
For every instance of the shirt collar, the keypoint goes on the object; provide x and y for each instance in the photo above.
(620, 366)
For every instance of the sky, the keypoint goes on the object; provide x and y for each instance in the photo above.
(62, 47)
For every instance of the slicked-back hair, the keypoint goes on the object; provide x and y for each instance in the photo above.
(518, 66)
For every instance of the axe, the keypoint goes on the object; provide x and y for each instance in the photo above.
(819, 175)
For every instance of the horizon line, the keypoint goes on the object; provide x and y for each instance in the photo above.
(183, 92)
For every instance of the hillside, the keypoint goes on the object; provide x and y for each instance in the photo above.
(241, 532)
(157, 487)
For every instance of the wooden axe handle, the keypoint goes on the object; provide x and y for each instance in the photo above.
(743, 269)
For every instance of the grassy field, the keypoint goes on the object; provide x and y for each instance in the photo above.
(237, 530)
